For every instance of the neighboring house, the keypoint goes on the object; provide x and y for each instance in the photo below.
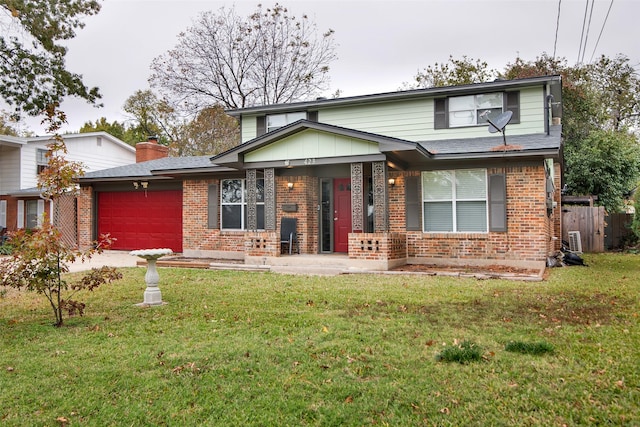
(22, 159)
(387, 179)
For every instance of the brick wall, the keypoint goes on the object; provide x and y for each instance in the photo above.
(12, 211)
(196, 234)
(85, 217)
(377, 246)
(530, 230)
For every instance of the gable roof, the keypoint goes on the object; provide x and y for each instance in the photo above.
(386, 145)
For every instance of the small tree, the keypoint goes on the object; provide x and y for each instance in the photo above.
(41, 257)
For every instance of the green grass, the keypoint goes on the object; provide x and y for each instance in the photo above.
(235, 348)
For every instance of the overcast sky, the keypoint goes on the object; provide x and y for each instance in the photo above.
(381, 44)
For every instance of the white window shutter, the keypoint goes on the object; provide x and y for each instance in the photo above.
(20, 214)
(3, 213)
(40, 212)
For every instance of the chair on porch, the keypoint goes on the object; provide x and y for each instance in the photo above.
(289, 235)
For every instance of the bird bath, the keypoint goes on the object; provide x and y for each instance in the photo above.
(152, 294)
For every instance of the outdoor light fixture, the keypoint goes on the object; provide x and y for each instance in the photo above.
(392, 181)
(135, 184)
(144, 184)
(290, 185)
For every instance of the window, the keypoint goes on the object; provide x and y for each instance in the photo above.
(474, 110)
(233, 204)
(41, 160)
(455, 201)
(275, 121)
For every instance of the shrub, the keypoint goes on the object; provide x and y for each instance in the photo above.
(463, 352)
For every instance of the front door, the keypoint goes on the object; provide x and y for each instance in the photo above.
(341, 214)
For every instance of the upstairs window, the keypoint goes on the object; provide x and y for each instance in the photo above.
(41, 160)
(475, 110)
(272, 122)
(233, 204)
(275, 121)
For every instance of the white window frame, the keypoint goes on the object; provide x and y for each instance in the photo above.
(242, 203)
(41, 160)
(454, 200)
(474, 109)
(286, 118)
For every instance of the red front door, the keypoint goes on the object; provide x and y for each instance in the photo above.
(341, 214)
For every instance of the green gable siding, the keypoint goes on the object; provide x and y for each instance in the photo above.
(248, 129)
(312, 144)
(413, 119)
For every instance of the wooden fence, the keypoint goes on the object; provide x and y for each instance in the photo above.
(598, 231)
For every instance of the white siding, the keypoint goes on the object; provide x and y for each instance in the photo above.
(9, 169)
(97, 153)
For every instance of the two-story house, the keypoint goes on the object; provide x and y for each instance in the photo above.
(386, 179)
(22, 160)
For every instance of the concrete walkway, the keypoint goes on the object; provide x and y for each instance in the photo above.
(108, 258)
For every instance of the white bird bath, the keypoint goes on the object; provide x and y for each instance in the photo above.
(152, 294)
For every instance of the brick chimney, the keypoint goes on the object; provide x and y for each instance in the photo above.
(150, 150)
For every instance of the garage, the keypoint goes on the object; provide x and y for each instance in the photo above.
(141, 219)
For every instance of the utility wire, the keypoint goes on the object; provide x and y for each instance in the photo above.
(586, 37)
(555, 42)
(584, 23)
(601, 30)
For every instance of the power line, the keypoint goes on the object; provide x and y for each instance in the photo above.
(586, 37)
(555, 42)
(601, 30)
(584, 23)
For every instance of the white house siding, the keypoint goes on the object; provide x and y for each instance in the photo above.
(9, 169)
(97, 156)
(28, 168)
(312, 144)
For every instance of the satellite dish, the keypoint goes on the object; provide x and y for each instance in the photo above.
(500, 122)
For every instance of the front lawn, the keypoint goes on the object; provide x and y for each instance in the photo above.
(237, 348)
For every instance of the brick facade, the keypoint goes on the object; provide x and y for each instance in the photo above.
(530, 238)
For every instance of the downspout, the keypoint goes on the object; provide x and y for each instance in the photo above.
(547, 113)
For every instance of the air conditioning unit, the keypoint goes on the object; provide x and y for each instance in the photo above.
(575, 243)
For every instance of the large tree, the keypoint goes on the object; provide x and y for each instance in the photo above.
(452, 73)
(599, 107)
(116, 128)
(211, 132)
(149, 115)
(224, 59)
(32, 58)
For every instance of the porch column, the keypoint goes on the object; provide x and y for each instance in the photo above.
(380, 197)
(252, 217)
(269, 199)
(357, 198)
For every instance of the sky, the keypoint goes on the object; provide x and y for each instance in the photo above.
(380, 44)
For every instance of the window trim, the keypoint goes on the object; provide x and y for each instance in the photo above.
(243, 205)
(510, 102)
(454, 201)
(42, 162)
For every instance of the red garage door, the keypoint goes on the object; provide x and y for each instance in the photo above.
(142, 219)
